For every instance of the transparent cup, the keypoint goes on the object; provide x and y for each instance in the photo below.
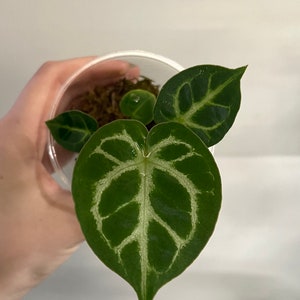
(155, 67)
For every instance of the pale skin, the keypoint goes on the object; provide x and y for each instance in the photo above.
(38, 226)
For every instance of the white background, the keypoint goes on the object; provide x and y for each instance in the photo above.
(254, 253)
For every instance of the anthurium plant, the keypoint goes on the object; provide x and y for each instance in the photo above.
(147, 189)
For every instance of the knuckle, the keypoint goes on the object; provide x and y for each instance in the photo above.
(52, 71)
(48, 67)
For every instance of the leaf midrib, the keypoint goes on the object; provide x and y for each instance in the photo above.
(144, 215)
(208, 98)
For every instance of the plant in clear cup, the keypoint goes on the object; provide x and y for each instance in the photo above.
(146, 187)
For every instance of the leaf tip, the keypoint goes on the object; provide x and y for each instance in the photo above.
(242, 69)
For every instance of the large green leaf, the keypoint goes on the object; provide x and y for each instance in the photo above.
(147, 201)
(205, 98)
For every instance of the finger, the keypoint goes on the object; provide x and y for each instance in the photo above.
(37, 98)
(40, 92)
(34, 104)
(94, 75)
(45, 84)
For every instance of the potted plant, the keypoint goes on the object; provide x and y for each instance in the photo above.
(146, 187)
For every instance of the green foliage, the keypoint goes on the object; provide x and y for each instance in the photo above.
(72, 129)
(205, 98)
(148, 199)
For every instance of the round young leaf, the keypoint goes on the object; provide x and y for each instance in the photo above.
(147, 202)
(72, 129)
(138, 104)
(205, 98)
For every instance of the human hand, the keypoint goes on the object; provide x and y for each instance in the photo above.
(38, 226)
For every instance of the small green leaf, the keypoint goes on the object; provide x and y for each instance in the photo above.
(72, 129)
(147, 202)
(138, 104)
(205, 98)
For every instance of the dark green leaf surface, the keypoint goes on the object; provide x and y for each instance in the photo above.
(205, 98)
(72, 129)
(138, 104)
(147, 201)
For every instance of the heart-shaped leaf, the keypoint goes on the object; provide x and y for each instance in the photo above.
(205, 98)
(72, 129)
(147, 201)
